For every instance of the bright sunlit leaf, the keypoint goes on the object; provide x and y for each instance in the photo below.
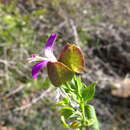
(72, 56)
(88, 92)
(91, 116)
(66, 111)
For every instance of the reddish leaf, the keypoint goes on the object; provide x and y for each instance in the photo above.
(59, 73)
(72, 56)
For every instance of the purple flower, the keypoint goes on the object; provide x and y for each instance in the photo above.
(42, 61)
(60, 71)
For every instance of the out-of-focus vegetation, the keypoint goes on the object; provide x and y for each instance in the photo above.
(100, 27)
(18, 40)
(16, 36)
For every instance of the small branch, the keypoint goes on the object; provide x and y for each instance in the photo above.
(35, 100)
(16, 90)
(77, 41)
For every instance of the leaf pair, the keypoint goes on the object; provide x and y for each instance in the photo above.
(71, 60)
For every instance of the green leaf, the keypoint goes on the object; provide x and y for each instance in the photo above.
(64, 122)
(75, 83)
(64, 101)
(38, 12)
(66, 111)
(92, 118)
(72, 56)
(88, 92)
(77, 115)
(59, 73)
(8, 19)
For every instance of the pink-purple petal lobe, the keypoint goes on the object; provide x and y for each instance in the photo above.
(48, 49)
(50, 42)
(37, 68)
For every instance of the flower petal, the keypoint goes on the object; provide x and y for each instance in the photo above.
(37, 67)
(48, 49)
(50, 42)
(36, 57)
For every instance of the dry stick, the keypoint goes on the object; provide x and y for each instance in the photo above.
(70, 22)
(35, 100)
(6, 69)
(10, 64)
(16, 90)
(76, 37)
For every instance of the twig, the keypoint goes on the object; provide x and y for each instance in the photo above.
(35, 100)
(77, 41)
(16, 90)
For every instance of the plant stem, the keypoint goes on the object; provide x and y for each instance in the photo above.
(83, 113)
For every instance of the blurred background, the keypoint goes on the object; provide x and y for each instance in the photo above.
(100, 27)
